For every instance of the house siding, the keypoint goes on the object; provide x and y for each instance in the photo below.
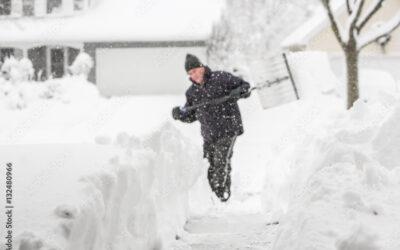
(326, 41)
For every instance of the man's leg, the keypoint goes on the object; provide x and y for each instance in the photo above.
(212, 177)
(222, 166)
(212, 174)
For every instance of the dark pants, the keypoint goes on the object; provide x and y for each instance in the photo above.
(219, 156)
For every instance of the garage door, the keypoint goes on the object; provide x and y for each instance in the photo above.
(125, 71)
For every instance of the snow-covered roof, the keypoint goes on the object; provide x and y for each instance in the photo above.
(302, 35)
(119, 20)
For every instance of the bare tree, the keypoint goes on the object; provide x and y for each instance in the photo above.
(353, 37)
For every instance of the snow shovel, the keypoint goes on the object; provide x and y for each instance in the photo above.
(259, 87)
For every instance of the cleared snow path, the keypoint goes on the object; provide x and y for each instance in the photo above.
(241, 223)
(244, 231)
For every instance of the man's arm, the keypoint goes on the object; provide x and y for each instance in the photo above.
(237, 86)
(188, 116)
(182, 114)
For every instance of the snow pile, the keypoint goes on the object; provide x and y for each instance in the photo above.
(12, 96)
(374, 84)
(142, 203)
(312, 74)
(138, 200)
(20, 94)
(82, 65)
(335, 181)
(70, 89)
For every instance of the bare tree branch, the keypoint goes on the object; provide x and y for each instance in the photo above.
(386, 30)
(355, 15)
(349, 10)
(364, 20)
(350, 6)
(334, 23)
(358, 8)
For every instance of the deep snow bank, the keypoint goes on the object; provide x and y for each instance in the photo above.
(137, 200)
(22, 94)
(335, 181)
(141, 203)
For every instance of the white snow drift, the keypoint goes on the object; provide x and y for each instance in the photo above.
(137, 200)
(335, 185)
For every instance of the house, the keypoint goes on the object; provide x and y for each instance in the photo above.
(316, 35)
(138, 46)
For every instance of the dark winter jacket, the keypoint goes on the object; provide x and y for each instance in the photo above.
(219, 120)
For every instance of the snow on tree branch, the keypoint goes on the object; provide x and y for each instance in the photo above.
(384, 30)
(374, 7)
(337, 30)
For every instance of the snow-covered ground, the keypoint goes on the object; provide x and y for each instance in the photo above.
(124, 169)
(74, 133)
(228, 231)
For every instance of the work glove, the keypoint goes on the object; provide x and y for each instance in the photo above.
(246, 94)
(235, 93)
(238, 93)
(176, 113)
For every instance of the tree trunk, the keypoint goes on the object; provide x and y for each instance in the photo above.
(352, 74)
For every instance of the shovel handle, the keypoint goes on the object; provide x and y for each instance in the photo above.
(216, 101)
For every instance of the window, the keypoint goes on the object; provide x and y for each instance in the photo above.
(5, 7)
(54, 6)
(37, 56)
(5, 53)
(28, 7)
(57, 62)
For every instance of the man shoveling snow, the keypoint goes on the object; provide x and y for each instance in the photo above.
(212, 100)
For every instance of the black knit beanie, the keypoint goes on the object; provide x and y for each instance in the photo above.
(192, 62)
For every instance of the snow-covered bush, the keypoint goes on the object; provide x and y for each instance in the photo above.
(17, 70)
(9, 68)
(15, 89)
(26, 69)
(82, 65)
